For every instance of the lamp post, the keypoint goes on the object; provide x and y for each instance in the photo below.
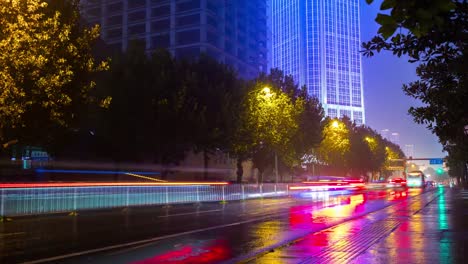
(268, 94)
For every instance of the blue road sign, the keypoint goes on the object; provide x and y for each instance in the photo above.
(436, 161)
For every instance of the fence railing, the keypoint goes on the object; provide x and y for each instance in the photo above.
(45, 200)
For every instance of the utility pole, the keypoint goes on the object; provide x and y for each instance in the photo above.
(276, 167)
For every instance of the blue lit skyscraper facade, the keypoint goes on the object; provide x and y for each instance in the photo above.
(317, 42)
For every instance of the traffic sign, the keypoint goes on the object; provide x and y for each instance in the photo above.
(436, 161)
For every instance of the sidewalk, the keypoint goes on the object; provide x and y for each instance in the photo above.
(414, 231)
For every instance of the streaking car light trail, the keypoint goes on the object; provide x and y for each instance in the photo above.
(104, 184)
(97, 172)
(321, 187)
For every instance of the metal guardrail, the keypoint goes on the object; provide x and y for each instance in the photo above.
(46, 200)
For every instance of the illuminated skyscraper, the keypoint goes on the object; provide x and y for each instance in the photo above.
(409, 150)
(385, 133)
(318, 42)
(395, 138)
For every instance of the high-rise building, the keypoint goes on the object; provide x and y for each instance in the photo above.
(232, 31)
(318, 43)
(395, 138)
(409, 150)
(385, 133)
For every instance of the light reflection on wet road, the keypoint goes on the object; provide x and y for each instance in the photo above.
(209, 233)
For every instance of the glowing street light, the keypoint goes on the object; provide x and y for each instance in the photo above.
(267, 92)
(335, 124)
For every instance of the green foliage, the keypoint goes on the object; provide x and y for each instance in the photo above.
(277, 118)
(433, 34)
(336, 145)
(46, 66)
(355, 150)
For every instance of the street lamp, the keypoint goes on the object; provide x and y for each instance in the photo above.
(335, 124)
(267, 94)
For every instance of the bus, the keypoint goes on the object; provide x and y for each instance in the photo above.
(415, 179)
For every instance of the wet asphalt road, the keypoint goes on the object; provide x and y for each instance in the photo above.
(194, 233)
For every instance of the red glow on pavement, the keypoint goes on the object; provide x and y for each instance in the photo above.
(103, 184)
(300, 215)
(326, 182)
(397, 195)
(320, 187)
(213, 252)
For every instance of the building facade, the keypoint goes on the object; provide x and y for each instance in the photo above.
(395, 138)
(409, 150)
(232, 31)
(318, 42)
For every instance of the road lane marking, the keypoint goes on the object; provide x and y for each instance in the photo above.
(200, 212)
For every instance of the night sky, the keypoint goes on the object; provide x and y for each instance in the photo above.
(385, 102)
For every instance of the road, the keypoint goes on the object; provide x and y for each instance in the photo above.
(193, 233)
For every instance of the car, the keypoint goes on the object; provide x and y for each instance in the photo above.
(397, 182)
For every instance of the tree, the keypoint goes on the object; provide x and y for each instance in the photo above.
(215, 90)
(308, 136)
(270, 120)
(336, 145)
(435, 36)
(310, 121)
(351, 149)
(46, 70)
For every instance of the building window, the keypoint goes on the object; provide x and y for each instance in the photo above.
(190, 53)
(161, 25)
(114, 33)
(137, 29)
(95, 12)
(161, 11)
(183, 6)
(187, 37)
(136, 3)
(212, 38)
(115, 7)
(159, 1)
(136, 16)
(211, 21)
(332, 113)
(161, 41)
(188, 20)
(114, 20)
(344, 113)
(212, 6)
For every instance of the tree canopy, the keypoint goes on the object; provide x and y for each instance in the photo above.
(47, 62)
(433, 34)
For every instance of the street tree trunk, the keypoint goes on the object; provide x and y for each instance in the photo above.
(240, 170)
(260, 176)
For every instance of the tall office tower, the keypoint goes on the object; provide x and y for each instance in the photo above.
(232, 31)
(385, 133)
(395, 138)
(409, 150)
(318, 43)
